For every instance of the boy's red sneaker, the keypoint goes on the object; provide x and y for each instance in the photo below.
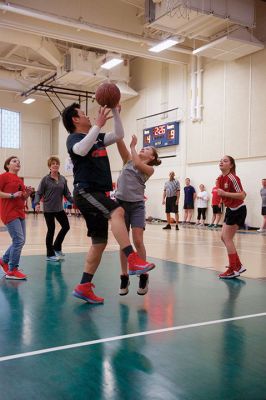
(15, 274)
(137, 266)
(84, 291)
(4, 266)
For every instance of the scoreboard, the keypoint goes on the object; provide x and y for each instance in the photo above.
(161, 135)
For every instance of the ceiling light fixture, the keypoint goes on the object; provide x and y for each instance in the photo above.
(164, 45)
(112, 63)
(29, 100)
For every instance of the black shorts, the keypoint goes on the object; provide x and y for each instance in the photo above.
(188, 206)
(217, 210)
(263, 211)
(96, 209)
(170, 205)
(235, 217)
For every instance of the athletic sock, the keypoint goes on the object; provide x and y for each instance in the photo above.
(238, 262)
(128, 250)
(233, 260)
(86, 277)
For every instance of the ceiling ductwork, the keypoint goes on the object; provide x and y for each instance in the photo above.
(225, 26)
(83, 68)
(231, 47)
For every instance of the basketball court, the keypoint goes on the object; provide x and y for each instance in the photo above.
(192, 336)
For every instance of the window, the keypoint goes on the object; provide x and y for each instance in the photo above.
(9, 129)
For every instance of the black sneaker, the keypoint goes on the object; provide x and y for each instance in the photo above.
(176, 228)
(143, 284)
(167, 226)
(123, 291)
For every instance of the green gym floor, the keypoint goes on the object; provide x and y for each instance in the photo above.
(192, 336)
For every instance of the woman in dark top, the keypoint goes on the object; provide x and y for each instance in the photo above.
(52, 189)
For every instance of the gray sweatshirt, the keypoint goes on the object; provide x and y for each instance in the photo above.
(52, 192)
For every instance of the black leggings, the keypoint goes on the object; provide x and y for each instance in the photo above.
(50, 218)
(202, 212)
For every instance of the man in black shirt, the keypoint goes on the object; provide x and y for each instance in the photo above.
(92, 179)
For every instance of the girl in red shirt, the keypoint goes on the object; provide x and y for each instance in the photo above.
(233, 195)
(13, 194)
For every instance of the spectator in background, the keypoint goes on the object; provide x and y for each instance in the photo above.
(171, 196)
(13, 194)
(189, 198)
(202, 204)
(263, 207)
(52, 188)
(68, 207)
(77, 212)
(33, 205)
(217, 207)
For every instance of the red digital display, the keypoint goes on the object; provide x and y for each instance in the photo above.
(159, 130)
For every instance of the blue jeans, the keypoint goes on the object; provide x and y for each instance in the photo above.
(17, 231)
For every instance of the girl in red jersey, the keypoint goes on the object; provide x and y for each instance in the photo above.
(233, 195)
(13, 193)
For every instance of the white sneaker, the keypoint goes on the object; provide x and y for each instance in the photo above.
(123, 291)
(59, 254)
(53, 259)
(261, 230)
(242, 269)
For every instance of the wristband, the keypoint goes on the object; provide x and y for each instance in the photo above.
(12, 196)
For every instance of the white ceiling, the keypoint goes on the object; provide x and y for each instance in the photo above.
(35, 35)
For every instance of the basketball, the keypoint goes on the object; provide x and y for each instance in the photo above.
(108, 94)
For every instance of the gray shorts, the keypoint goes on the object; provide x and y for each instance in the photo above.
(134, 213)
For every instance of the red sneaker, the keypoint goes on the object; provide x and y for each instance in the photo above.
(241, 269)
(15, 274)
(84, 291)
(137, 266)
(4, 266)
(229, 274)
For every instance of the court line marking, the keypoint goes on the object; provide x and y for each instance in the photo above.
(129, 336)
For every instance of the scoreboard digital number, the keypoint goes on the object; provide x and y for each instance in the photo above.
(161, 135)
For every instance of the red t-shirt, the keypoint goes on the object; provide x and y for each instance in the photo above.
(230, 183)
(11, 208)
(216, 199)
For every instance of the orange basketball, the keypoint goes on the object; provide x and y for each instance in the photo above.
(108, 94)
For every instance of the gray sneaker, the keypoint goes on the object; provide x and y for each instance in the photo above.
(59, 254)
(53, 259)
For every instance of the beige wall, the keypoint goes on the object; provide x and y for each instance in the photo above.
(35, 137)
(234, 120)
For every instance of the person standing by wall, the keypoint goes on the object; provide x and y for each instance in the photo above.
(263, 206)
(52, 188)
(33, 205)
(13, 194)
(217, 207)
(233, 195)
(171, 195)
(202, 204)
(189, 198)
(137, 169)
